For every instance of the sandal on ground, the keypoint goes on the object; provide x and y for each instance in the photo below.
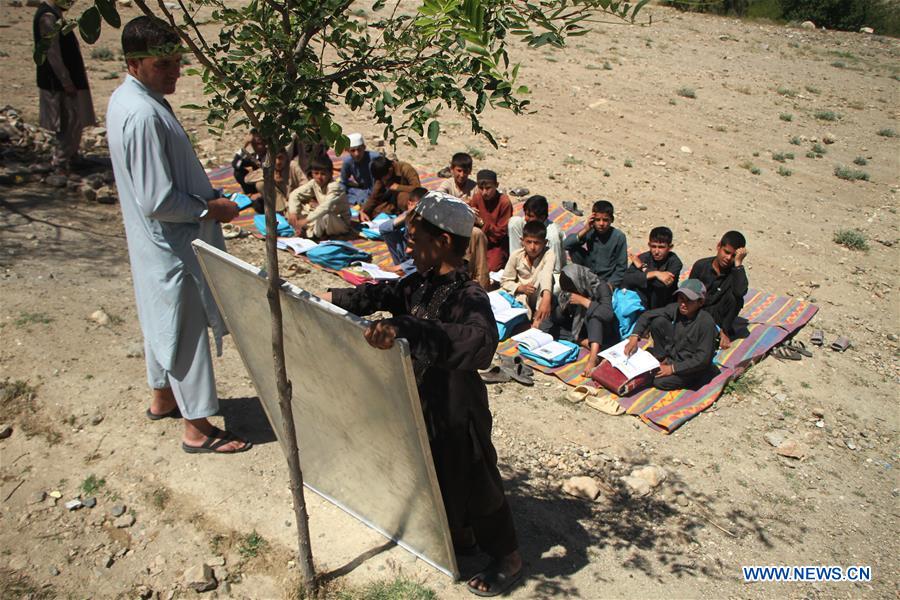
(518, 192)
(520, 373)
(231, 231)
(580, 393)
(172, 414)
(798, 346)
(817, 338)
(215, 440)
(572, 207)
(605, 404)
(509, 363)
(785, 353)
(840, 344)
(495, 375)
(497, 581)
(446, 173)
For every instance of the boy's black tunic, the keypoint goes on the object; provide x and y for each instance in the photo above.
(450, 349)
(724, 292)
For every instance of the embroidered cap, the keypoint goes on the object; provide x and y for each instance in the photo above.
(356, 140)
(447, 212)
(693, 289)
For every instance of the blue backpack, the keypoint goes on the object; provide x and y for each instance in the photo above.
(628, 307)
(283, 228)
(336, 254)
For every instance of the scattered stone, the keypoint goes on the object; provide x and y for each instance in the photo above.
(582, 487)
(652, 474)
(829, 138)
(134, 350)
(819, 412)
(851, 444)
(100, 317)
(117, 510)
(200, 578)
(37, 497)
(681, 500)
(89, 502)
(96, 419)
(807, 25)
(776, 437)
(5, 431)
(641, 206)
(216, 561)
(124, 521)
(637, 486)
(820, 423)
(144, 592)
(106, 195)
(56, 494)
(88, 193)
(686, 150)
(791, 449)
(57, 181)
(54, 571)
(868, 30)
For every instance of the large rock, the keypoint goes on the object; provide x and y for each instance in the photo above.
(582, 487)
(651, 474)
(807, 25)
(791, 449)
(200, 578)
(866, 30)
(637, 486)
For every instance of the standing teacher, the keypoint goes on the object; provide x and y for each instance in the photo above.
(167, 202)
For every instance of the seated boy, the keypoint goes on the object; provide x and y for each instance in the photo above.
(599, 246)
(356, 173)
(459, 184)
(394, 232)
(582, 313)
(320, 206)
(684, 338)
(393, 181)
(726, 283)
(446, 318)
(529, 272)
(654, 274)
(493, 211)
(537, 208)
(249, 158)
(288, 177)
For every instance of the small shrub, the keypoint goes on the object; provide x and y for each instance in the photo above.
(861, 161)
(851, 238)
(399, 588)
(571, 160)
(787, 93)
(812, 154)
(795, 141)
(756, 154)
(606, 173)
(160, 498)
(475, 152)
(887, 132)
(826, 115)
(839, 64)
(29, 318)
(673, 101)
(687, 92)
(850, 174)
(111, 75)
(813, 89)
(628, 163)
(745, 385)
(819, 149)
(102, 53)
(755, 170)
(785, 172)
(786, 117)
(607, 66)
(251, 545)
(91, 485)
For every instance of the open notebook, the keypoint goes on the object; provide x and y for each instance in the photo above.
(503, 311)
(630, 366)
(540, 343)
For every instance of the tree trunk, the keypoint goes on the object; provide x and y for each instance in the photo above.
(301, 516)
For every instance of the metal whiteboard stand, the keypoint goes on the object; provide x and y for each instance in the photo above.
(361, 436)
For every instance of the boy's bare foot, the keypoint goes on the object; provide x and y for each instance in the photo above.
(498, 577)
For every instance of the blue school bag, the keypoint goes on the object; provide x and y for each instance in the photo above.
(336, 255)
(628, 307)
(282, 229)
(242, 200)
(373, 233)
(505, 329)
(557, 361)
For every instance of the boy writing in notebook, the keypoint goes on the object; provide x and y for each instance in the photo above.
(446, 318)
(599, 246)
(654, 274)
(529, 272)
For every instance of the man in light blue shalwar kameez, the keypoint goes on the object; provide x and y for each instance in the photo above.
(167, 202)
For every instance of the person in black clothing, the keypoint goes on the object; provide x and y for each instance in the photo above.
(66, 107)
(248, 159)
(654, 274)
(447, 320)
(684, 339)
(726, 283)
(582, 313)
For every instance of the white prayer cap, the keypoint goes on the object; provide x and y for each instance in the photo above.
(447, 213)
(356, 140)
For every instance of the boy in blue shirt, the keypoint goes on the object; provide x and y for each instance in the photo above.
(356, 176)
(599, 246)
(395, 235)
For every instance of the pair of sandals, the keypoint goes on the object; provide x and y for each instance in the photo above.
(791, 350)
(511, 368)
(573, 208)
(595, 398)
(231, 231)
(839, 345)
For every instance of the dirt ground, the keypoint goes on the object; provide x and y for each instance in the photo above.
(609, 122)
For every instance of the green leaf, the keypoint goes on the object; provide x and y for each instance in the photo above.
(193, 107)
(434, 130)
(109, 13)
(89, 25)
